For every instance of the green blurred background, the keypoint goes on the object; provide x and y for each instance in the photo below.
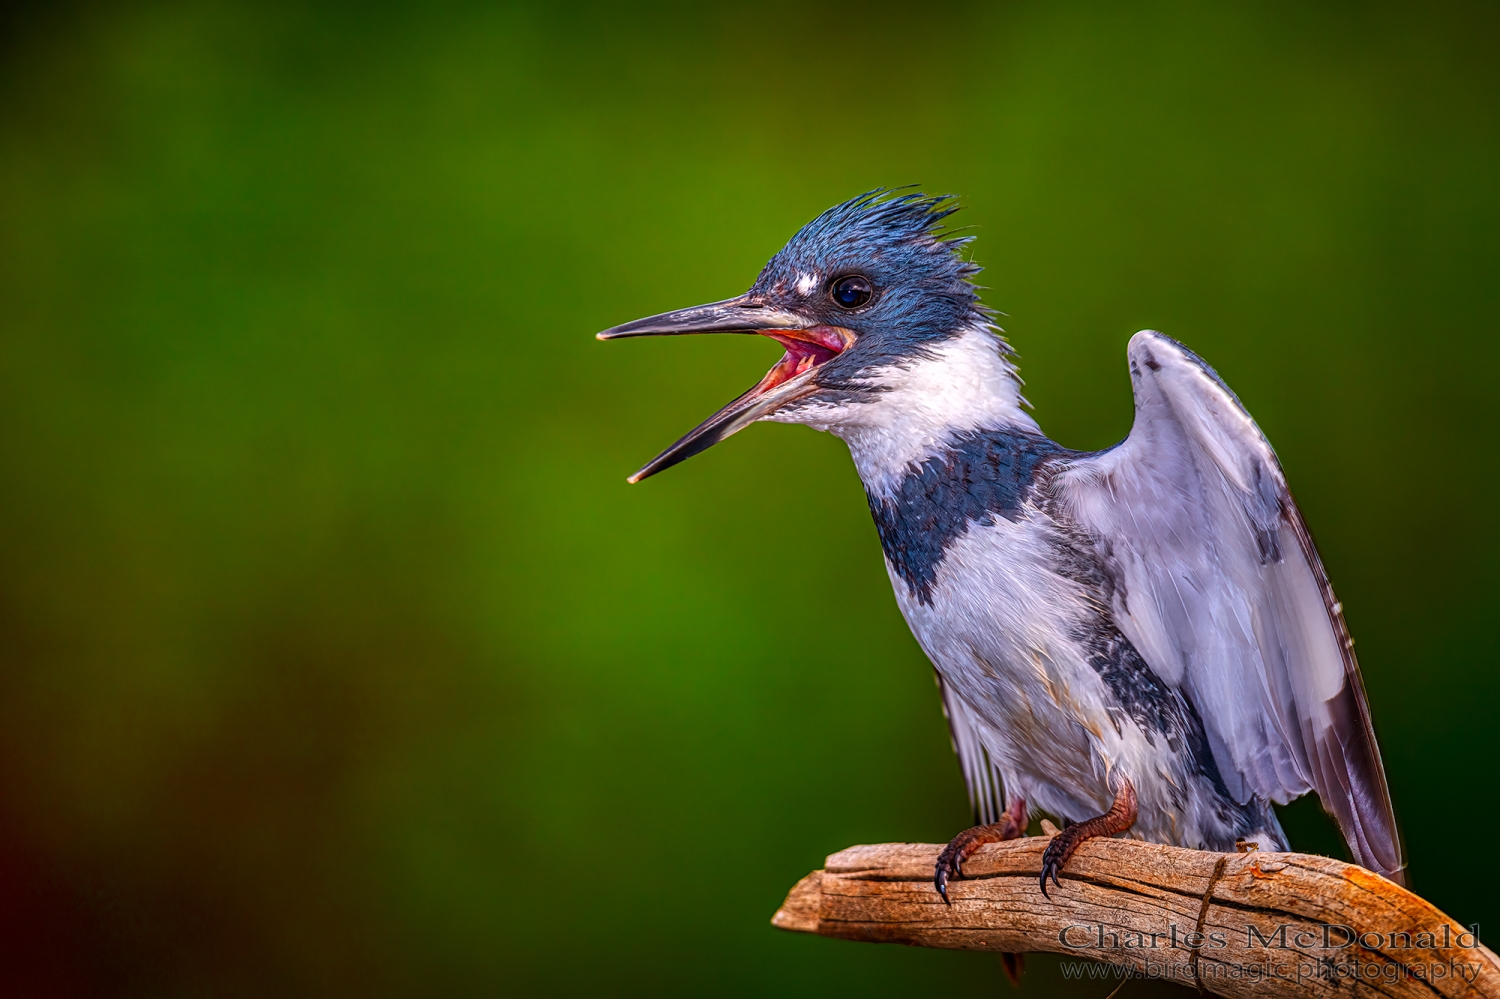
(336, 657)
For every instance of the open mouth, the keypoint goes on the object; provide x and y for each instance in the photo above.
(805, 350)
(808, 347)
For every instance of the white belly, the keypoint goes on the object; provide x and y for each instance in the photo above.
(1000, 630)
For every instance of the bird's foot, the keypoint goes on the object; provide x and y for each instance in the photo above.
(1012, 825)
(1119, 818)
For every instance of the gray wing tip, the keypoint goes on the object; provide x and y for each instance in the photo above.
(1357, 794)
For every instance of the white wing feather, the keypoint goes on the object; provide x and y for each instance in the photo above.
(986, 792)
(1219, 587)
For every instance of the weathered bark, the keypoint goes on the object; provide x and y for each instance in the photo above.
(1254, 924)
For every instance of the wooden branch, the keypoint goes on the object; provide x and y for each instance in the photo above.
(1254, 924)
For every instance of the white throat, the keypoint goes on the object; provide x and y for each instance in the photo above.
(966, 383)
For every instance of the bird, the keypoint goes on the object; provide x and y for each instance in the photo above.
(1140, 640)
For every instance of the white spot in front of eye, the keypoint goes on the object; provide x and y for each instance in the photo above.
(806, 283)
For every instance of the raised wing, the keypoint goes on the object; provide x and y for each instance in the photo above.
(1219, 587)
(986, 793)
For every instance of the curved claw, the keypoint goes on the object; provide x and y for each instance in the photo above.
(948, 865)
(1120, 817)
(950, 862)
(1050, 867)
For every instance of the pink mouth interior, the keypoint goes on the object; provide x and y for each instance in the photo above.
(805, 349)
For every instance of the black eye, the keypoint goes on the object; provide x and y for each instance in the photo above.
(851, 292)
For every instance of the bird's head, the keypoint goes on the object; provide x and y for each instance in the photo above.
(863, 288)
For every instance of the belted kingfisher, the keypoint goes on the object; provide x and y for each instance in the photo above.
(1137, 639)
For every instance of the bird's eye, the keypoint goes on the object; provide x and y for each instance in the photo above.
(851, 292)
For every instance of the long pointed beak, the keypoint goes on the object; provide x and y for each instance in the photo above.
(733, 315)
(807, 344)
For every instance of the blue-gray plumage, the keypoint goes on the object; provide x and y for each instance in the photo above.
(1140, 638)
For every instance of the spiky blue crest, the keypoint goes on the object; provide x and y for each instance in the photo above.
(924, 291)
